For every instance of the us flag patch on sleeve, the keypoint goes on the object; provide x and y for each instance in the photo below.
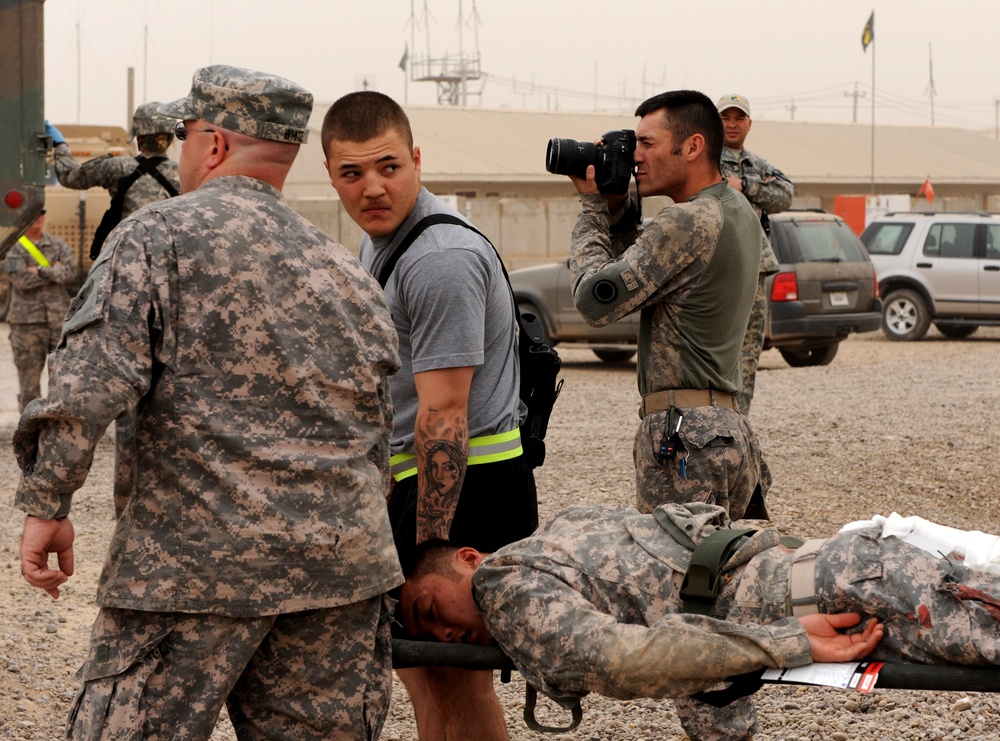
(629, 279)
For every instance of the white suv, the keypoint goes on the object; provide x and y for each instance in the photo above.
(941, 267)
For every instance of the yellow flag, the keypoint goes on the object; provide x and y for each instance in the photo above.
(868, 35)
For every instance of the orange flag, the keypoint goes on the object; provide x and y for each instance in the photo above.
(927, 191)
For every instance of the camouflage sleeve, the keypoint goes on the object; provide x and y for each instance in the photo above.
(101, 172)
(379, 453)
(63, 269)
(609, 283)
(99, 372)
(567, 647)
(16, 266)
(768, 188)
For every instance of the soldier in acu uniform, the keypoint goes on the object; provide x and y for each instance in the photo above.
(692, 273)
(153, 133)
(39, 266)
(769, 191)
(591, 603)
(248, 353)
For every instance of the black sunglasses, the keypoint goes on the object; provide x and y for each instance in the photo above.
(181, 131)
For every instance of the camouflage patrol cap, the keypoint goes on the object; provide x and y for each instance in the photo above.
(147, 119)
(257, 104)
(733, 101)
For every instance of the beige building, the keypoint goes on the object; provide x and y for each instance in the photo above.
(492, 162)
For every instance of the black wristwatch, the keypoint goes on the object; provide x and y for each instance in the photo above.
(743, 183)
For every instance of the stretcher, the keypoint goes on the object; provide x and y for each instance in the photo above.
(944, 678)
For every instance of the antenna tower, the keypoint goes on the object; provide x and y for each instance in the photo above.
(451, 72)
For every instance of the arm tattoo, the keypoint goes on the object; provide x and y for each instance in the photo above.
(442, 458)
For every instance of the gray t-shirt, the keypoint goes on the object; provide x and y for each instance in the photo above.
(452, 308)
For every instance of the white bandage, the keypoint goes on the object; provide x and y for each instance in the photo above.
(977, 549)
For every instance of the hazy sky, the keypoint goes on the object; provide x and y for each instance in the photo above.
(793, 59)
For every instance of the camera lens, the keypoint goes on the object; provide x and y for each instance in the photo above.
(570, 157)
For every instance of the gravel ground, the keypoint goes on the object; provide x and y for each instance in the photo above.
(886, 427)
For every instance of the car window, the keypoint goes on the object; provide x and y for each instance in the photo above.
(993, 242)
(886, 239)
(827, 241)
(950, 240)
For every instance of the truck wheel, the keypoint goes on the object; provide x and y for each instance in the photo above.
(614, 355)
(956, 331)
(905, 316)
(812, 356)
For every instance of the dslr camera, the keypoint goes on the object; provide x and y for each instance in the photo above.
(612, 159)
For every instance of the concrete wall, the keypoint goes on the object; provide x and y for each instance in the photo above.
(531, 231)
(525, 231)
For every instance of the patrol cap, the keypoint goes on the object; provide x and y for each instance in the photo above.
(734, 101)
(257, 104)
(147, 119)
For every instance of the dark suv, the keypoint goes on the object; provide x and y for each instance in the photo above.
(825, 290)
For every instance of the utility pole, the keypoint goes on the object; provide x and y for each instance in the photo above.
(791, 108)
(996, 118)
(78, 75)
(131, 98)
(930, 87)
(856, 94)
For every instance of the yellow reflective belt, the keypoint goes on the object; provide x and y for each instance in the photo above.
(484, 449)
(34, 252)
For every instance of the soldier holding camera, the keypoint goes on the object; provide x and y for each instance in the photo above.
(692, 273)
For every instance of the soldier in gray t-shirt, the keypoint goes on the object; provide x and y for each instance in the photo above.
(458, 466)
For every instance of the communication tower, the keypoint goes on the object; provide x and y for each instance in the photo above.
(451, 72)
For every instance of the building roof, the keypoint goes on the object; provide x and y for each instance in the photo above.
(479, 145)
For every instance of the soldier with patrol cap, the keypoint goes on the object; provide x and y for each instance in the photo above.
(153, 133)
(248, 354)
(39, 265)
(769, 192)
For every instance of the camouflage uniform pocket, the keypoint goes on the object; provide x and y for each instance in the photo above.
(122, 693)
(88, 305)
(698, 437)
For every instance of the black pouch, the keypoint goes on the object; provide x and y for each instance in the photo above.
(540, 387)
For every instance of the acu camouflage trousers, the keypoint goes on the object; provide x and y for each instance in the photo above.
(31, 345)
(721, 462)
(309, 676)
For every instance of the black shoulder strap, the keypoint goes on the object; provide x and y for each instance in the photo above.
(151, 166)
(530, 325)
(113, 216)
(416, 231)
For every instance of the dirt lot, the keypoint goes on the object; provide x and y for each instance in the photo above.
(886, 427)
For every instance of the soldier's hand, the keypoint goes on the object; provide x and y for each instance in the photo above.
(39, 539)
(588, 184)
(55, 134)
(829, 644)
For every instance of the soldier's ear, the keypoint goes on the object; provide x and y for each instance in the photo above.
(468, 559)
